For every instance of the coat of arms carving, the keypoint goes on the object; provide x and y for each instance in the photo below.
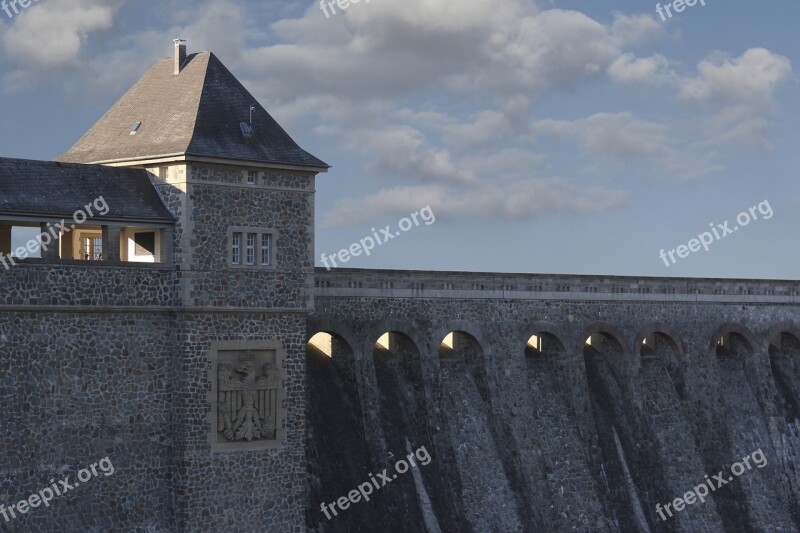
(246, 396)
(247, 402)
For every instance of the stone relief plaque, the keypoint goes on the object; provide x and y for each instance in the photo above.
(246, 396)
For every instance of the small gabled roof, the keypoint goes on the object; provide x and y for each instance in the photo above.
(48, 189)
(198, 112)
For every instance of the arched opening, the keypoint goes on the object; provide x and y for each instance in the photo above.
(736, 409)
(461, 347)
(631, 472)
(663, 426)
(398, 371)
(661, 357)
(784, 361)
(322, 342)
(544, 353)
(404, 423)
(550, 381)
(470, 435)
(733, 345)
(335, 445)
(543, 346)
(460, 351)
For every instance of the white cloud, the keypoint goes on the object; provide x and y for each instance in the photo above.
(749, 79)
(629, 69)
(488, 49)
(740, 92)
(635, 29)
(621, 136)
(403, 152)
(55, 33)
(518, 201)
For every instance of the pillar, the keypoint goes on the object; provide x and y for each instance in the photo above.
(111, 244)
(5, 238)
(50, 251)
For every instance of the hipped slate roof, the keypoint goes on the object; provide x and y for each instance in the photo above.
(195, 113)
(58, 190)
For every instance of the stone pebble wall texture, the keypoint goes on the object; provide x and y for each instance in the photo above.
(241, 490)
(285, 204)
(555, 434)
(120, 369)
(113, 361)
(76, 388)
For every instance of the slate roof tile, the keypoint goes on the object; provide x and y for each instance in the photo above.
(57, 190)
(196, 113)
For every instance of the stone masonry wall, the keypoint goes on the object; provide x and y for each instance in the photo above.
(87, 364)
(263, 487)
(572, 455)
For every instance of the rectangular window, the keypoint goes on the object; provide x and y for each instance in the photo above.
(252, 177)
(236, 256)
(266, 249)
(92, 247)
(251, 248)
(163, 173)
(21, 236)
(145, 243)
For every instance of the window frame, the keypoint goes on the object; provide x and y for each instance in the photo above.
(236, 248)
(269, 250)
(257, 249)
(250, 248)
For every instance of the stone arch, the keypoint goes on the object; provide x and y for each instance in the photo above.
(605, 328)
(463, 326)
(338, 415)
(670, 333)
(732, 328)
(393, 326)
(782, 345)
(775, 334)
(333, 327)
(665, 352)
(549, 329)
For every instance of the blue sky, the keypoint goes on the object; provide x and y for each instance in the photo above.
(556, 137)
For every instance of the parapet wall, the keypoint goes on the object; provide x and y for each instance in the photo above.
(466, 285)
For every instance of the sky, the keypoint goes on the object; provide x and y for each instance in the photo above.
(569, 137)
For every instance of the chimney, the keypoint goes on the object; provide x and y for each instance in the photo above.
(180, 55)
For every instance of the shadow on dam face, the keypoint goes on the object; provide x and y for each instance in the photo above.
(784, 361)
(338, 460)
(630, 474)
(340, 418)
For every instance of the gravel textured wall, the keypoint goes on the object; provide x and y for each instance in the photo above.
(101, 361)
(75, 388)
(589, 437)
